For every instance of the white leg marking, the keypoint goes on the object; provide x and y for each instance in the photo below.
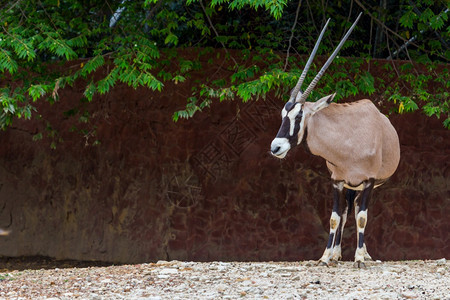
(359, 255)
(361, 218)
(366, 254)
(326, 255)
(337, 250)
(334, 224)
(361, 221)
(337, 253)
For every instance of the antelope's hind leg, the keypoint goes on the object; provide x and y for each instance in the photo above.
(337, 219)
(361, 254)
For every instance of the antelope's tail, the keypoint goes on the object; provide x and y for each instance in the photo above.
(350, 196)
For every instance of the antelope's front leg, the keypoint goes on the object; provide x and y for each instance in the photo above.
(361, 222)
(335, 221)
(337, 249)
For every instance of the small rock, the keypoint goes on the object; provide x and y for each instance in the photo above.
(441, 262)
(222, 288)
(222, 269)
(168, 271)
(409, 295)
(94, 296)
(163, 276)
(384, 296)
(246, 282)
(441, 271)
(296, 277)
(286, 269)
(106, 281)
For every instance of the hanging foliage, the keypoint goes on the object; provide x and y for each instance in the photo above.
(136, 41)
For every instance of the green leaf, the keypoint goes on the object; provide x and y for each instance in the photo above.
(89, 91)
(7, 62)
(105, 84)
(365, 83)
(92, 65)
(37, 91)
(179, 78)
(37, 136)
(171, 39)
(407, 20)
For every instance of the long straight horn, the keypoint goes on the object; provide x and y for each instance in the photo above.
(313, 83)
(297, 87)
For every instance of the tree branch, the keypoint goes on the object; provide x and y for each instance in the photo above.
(381, 23)
(215, 31)
(292, 34)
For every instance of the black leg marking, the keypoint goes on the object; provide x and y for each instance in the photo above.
(330, 241)
(334, 238)
(361, 240)
(361, 222)
(350, 197)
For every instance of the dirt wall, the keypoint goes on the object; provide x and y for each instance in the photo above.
(133, 186)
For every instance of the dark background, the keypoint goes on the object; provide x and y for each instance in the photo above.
(202, 189)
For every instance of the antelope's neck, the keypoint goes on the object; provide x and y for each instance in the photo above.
(321, 138)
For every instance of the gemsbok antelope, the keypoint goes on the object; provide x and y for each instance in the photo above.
(359, 144)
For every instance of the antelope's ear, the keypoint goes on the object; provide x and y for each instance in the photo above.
(322, 103)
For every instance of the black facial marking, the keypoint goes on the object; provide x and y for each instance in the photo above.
(285, 127)
(294, 138)
(288, 106)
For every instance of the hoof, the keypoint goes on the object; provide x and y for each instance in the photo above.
(359, 265)
(333, 263)
(367, 257)
(336, 258)
(322, 263)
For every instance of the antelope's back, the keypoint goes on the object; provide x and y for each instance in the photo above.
(390, 147)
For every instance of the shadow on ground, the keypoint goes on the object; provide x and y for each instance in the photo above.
(8, 264)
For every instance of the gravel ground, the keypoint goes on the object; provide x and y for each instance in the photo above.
(232, 280)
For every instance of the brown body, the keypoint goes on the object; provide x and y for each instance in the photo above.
(357, 141)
